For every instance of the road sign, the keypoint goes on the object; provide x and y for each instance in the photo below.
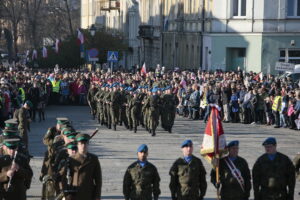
(112, 56)
(281, 66)
(93, 53)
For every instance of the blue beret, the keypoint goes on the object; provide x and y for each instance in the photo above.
(154, 90)
(129, 88)
(143, 148)
(270, 140)
(140, 87)
(168, 87)
(187, 143)
(123, 86)
(29, 103)
(146, 86)
(233, 143)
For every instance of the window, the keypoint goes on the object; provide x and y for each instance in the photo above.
(293, 8)
(239, 8)
(293, 56)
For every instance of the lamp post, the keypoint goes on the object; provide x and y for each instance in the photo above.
(93, 32)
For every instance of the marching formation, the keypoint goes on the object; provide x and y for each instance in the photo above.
(117, 104)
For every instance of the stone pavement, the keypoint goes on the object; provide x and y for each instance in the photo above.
(117, 149)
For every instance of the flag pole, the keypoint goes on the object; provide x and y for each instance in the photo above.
(218, 175)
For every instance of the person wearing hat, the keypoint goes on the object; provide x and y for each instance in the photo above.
(115, 102)
(99, 104)
(187, 173)
(170, 102)
(107, 101)
(135, 106)
(122, 109)
(153, 104)
(14, 170)
(141, 179)
(86, 174)
(53, 139)
(91, 99)
(234, 172)
(23, 119)
(273, 174)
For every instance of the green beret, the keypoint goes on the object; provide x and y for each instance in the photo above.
(11, 123)
(11, 142)
(83, 137)
(62, 120)
(7, 132)
(72, 145)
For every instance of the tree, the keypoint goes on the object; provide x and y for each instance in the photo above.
(13, 13)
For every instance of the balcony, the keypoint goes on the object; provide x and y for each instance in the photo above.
(108, 5)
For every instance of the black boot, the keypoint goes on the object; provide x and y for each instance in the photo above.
(109, 126)
(135, 129)
(115, 127)
(153, 132)
(170, 130)
(130, 128)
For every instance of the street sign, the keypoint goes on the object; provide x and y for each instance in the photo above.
(112, 56)
(93, 55)
(93, 59)
(281, 66)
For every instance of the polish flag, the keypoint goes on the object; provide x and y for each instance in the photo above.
(80, 37)
(144, 70)
(34, 54)
(57, 43)
(45, 52)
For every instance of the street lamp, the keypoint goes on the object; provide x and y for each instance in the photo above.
(93, 30)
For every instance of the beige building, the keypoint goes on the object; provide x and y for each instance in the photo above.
(182, 40)
(166, 32)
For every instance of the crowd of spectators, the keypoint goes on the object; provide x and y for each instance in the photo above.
(247, 98)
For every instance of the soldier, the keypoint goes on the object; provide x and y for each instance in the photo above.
(115, 100)
(128, 108)
(91, 100)
(273, 174)
(85, 173)
(297, 166)
(235, 175)
(134, 107)
(54, 142)
(106, 100)
(141, 180)
(123, 101)
(23, 119)
(188, 175)
(14, 171)
(153, 105)
(170, 103)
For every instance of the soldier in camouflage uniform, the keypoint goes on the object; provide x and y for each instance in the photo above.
(54, 141)
(115, 101)
(169, 102)
(106, 100)
(296, 162)
(99, 104)
(153, 105)
(122, 108)
(273, 174)
(128, 108)
(145, 110)
(91, 100)
(188, 176)
(235, 177)
(141, 180)
(134, 106)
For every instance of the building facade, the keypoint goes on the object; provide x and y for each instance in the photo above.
(207, 34)
(252, 34)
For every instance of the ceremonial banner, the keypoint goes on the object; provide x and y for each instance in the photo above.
(214, 142)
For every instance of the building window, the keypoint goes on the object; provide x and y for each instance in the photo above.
(239, 8)
(293, 8)
(291, 56)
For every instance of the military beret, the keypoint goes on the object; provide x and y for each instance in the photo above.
(82, 137)
(233, 143)
(62, 120)
(11, 123)
(142, 148)
(270, 140)
(72, 145)
(11, 142)
(67, 131)
(187, 143)
(154, 90)
(8, 132)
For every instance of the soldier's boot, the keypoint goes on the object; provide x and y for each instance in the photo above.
(115, 127)
(170, 129)
(153, 132)
(120, 123)
(149, 130)
(99, 121)
(109, 126)
(135, 129)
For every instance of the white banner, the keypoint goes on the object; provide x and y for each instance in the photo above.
(281, 66)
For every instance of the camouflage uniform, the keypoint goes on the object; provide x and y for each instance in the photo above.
(297, 166)
(140, 183)
(271, 178)
(231, 189)
(188, 180)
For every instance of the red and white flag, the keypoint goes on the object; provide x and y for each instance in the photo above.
(34, 54)
(258, 77)
(80, 37)
(214, 141)
(57, 43)
(45, 52)
(144, 70)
